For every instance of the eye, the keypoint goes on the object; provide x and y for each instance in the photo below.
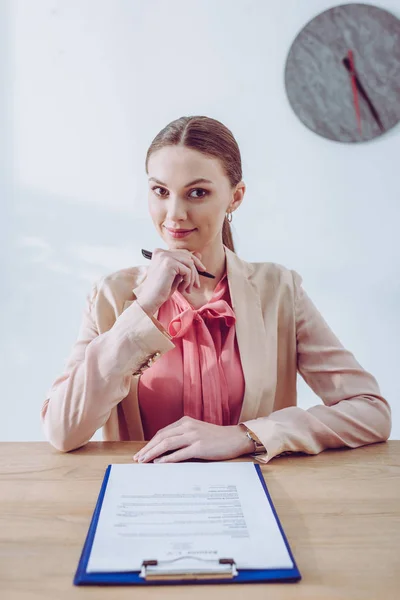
(204, 192)
(200, 190)
(158, 188)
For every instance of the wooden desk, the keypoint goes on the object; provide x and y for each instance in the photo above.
(340, 511)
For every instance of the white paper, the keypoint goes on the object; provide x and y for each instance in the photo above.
(202, 511)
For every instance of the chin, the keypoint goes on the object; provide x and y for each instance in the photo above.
(185, 244)
(180, 242)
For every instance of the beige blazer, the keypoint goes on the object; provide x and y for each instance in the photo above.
(279, 332)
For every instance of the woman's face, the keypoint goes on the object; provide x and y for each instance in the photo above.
(177, 201)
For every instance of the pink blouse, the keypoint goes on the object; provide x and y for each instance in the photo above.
(202, 376)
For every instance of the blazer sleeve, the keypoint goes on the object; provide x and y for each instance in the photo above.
(353, 412)
(98, 373)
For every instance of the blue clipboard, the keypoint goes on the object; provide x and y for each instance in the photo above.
(134, 577)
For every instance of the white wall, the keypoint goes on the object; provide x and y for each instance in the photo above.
(86, 85)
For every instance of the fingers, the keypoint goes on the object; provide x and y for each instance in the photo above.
(160, 436)
(166, 445)
(195, 278)
(178, 456)
(177, 428)
(199, 265)
(191, 278)
(186, 274)
(187, 259)
(198, 262)
(190, 260)
(181, 255)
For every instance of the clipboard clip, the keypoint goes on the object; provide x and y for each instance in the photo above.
(223, 568)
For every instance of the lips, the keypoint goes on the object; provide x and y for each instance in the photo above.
(178, 230)
(179, 233)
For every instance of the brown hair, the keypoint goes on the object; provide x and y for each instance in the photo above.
(210, 137)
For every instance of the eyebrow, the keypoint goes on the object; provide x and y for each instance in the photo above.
(199, 180)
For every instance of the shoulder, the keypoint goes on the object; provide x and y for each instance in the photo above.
(275, 283)
(275, 274)
(271, 279)
(123, 278)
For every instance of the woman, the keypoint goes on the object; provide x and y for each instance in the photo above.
(206, 367)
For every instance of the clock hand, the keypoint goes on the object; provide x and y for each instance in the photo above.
(364, 94)
(371, 107)
(352, 74)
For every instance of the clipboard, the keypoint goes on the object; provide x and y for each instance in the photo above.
(228, 572)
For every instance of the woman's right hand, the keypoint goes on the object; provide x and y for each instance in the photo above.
(169, 270)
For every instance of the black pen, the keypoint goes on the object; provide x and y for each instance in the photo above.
(148, 255)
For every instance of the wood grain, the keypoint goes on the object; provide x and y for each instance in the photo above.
(340, 511)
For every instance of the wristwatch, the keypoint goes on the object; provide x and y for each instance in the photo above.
(259, 447)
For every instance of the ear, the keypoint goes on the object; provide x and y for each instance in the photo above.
(238, 195)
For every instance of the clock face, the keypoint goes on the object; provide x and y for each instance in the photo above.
(342, 73)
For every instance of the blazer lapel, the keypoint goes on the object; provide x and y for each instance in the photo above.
(257, 356)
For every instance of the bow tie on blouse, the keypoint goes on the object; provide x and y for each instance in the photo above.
(204, 332)
(219, 309)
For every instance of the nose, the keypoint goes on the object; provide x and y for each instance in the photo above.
(176, 210)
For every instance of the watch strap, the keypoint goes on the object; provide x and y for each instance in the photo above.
(259, 447)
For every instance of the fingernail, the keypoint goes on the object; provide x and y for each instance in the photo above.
(142, 458)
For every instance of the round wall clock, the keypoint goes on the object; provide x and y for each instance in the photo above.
(342, 73)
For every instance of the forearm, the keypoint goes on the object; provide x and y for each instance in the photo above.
(349, 423)
(81, 400)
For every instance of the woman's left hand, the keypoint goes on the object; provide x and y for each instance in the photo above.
(191, 438)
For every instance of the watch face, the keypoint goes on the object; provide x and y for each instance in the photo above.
(342, 73)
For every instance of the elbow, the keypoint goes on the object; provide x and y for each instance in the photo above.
(386, 425)
(63, 443)
(381, 421)
(61, 439)
(64, 434)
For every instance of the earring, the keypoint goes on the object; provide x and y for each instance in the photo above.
(229, 217)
